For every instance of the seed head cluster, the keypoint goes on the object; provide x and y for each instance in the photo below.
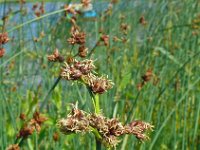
(3, 40)
(77, 37)
(109, 129)
(34, 124)
(75, 122)
(145, 78)
(82, 71)
(55, 57)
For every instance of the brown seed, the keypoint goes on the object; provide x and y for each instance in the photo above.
(55, 136)
(22, 116)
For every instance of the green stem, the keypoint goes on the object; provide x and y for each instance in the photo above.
(48, 94)
(96, 104)
(98, 144)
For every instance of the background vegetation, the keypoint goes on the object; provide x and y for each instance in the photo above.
(167, 43)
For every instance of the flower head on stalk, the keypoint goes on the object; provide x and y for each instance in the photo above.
(109, 129)
(82, 71)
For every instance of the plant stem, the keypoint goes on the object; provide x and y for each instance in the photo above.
(96, 105)
(47, 96)
(98, 144)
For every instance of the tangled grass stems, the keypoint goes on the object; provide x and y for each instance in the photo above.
(171, 113)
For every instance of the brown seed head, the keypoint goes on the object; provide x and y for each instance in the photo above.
(4, 38)
(25, 132)
(55, 136)
(105, 39)
(55, 57)
(100, 85)
(142, 21)
(34, 7)
(76, 69)
(148, 75)
(22, 116)
(13, 147)
(82, 51)
(2, 52)
(77, 37)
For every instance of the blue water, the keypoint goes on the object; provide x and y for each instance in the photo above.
(31, 30)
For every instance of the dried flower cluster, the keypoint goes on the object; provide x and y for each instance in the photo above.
(105, 39)
(142, 21)
(3, 40)
(76, 69)
(124, 28)
(55, 57)
(38, 10)
(145, 78)
(34, 124)
(77, 37)
(82, 51)
(82, 71)
(99, 84)
(2, 52)
(108, 129)
(75, 122)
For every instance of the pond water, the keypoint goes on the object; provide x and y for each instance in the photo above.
(30, 31)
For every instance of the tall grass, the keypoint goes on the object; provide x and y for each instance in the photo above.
(166, 44)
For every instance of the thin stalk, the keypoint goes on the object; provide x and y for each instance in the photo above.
(49, 92)
(171, 113)
(96, 105)
(36, 19)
